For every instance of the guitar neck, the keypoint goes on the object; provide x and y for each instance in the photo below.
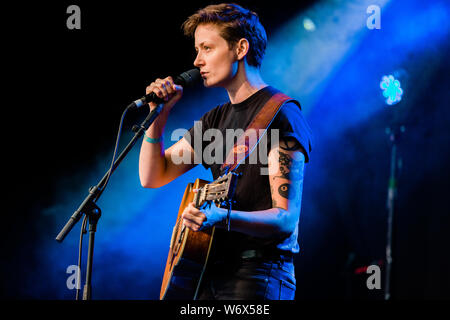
(219, 191)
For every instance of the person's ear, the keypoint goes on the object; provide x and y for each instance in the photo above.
(242, 47)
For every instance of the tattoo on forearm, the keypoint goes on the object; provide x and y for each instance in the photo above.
(295, 173)
(285, 161)
(290, 191)
(274, 202)
(289, 144)
(291, 170)
(283, 190)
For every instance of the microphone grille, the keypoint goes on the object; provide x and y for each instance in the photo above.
(188, 78)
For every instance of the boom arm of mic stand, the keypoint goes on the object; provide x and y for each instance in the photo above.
(95, 192)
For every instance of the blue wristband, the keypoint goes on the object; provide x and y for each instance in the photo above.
(151, 140)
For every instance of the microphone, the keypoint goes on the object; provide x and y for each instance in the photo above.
(186, 79)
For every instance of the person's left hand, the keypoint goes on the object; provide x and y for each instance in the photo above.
(205, 217)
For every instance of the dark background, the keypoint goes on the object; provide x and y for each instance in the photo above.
(66, 90)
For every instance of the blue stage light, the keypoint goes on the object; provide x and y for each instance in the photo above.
(308, 24)
(392, 90)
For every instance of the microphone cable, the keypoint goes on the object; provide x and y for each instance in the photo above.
(102, 188)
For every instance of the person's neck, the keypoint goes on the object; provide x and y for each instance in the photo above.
(246, 83)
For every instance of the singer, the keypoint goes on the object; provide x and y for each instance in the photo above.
(254, 259)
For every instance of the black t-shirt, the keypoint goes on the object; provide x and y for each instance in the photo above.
(253, 189)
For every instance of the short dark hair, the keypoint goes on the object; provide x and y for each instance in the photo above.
(235, 22)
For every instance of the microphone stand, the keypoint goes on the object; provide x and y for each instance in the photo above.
(89, 208)
(395, 163)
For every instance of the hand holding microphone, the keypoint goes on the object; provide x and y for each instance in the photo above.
(167, 91)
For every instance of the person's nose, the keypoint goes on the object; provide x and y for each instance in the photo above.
(198, 62)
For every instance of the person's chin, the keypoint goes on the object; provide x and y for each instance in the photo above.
(209, 84)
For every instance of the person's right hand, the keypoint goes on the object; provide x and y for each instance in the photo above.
(167, 90)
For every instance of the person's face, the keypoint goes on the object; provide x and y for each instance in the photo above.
(218, 64)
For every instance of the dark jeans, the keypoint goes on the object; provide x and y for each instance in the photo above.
(249, 279)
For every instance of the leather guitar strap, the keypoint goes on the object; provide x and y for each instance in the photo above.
(259, 125)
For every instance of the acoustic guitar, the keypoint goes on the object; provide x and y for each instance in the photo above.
(189, 250)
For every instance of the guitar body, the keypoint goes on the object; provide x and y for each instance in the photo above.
(188, 254)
